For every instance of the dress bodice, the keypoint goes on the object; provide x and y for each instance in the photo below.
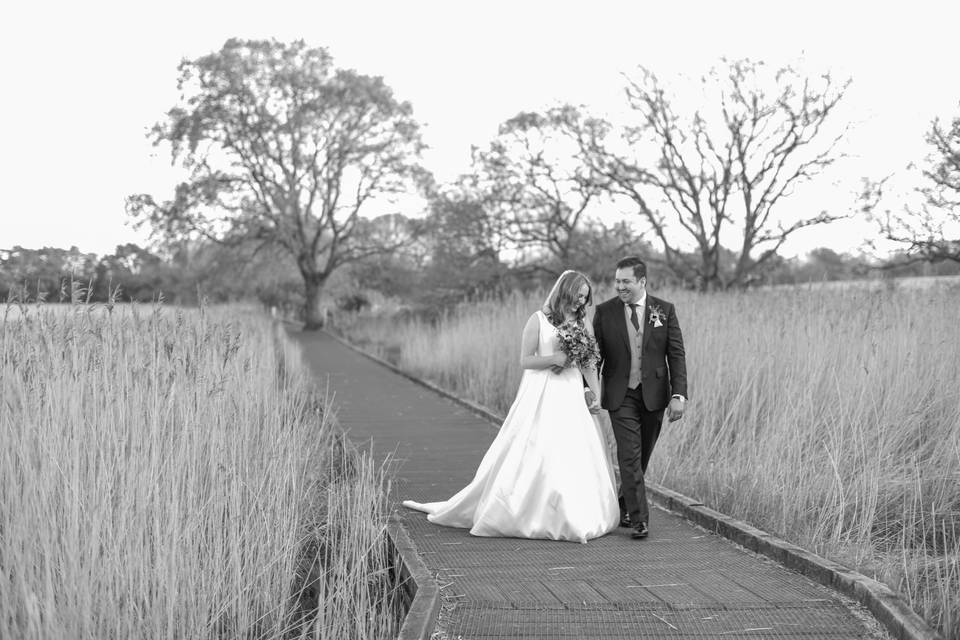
(548, 336)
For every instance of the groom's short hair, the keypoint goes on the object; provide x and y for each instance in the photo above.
(634, 262)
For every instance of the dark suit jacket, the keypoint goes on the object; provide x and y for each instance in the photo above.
(663, 362)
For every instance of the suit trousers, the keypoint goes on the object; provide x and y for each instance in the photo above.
(636, 431)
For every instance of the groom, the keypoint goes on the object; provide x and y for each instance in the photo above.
(641, 364)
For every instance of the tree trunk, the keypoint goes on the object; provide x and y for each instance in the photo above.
(314, 315)
(709, 271)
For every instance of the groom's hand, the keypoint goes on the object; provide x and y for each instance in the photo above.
(591, 399)
(675, 409)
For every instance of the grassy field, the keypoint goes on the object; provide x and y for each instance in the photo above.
(172, 474)
(831, 418)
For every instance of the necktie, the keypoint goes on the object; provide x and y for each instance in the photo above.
(634, 320)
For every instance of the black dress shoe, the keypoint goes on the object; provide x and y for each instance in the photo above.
(640, 531)
(625, 521)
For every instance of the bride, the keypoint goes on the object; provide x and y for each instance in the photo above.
(547, 473)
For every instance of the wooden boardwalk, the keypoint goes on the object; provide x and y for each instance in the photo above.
(682, 582)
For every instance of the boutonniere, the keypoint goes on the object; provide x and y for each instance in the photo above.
(657, 316)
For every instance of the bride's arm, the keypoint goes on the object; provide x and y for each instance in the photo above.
(589, 374)
(528, 348)
(593, 381)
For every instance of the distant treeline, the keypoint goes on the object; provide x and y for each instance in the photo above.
(135, 274)
(220, 274)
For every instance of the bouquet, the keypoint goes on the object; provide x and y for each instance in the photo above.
(579, 346)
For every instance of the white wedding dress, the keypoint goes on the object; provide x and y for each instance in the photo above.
(547, 474)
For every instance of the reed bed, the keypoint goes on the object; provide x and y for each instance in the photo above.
(173, 474)
(829, 418)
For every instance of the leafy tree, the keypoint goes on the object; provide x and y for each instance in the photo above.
(285, 150)
(826, 264)
(464, 246)
(469, 251)
(930, 232)
(49, 273)
(533, 182)
(595, 248)
(397, 273)
(721, 175)
(132, 273)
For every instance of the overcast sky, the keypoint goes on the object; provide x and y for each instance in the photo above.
(82, 82)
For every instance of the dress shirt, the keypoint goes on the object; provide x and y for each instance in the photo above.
(636, 340)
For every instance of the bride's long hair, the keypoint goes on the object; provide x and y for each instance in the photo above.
(565, 294)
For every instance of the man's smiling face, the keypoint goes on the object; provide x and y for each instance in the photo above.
(628, 287)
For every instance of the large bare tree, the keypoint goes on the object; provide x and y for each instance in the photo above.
(284, 149)
(721, 174)
(929, 231)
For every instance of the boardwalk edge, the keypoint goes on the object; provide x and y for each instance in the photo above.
(420, 587)
(414, 578)
(887, 607)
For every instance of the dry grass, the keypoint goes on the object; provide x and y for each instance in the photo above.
(829, 418)
(172, 474)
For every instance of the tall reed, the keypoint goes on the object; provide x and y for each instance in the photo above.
(830, 418)
(172, 474)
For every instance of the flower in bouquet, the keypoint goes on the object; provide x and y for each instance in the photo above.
(579, 346)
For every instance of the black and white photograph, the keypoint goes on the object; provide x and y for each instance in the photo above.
(460, 321)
